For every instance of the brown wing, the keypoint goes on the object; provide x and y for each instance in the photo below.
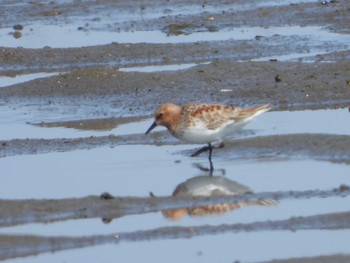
(212, 116)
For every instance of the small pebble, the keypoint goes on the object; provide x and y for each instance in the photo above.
(106, 220)
(278, 78)
(106, 196)
(18, 27)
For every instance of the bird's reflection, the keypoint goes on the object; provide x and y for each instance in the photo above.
(211, 186)
(207, 185)
(208, 170)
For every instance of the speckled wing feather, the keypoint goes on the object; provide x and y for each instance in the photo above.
(212, 116)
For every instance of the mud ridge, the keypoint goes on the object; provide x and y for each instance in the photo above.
(44, 211)
(334, 148)
(25, 245)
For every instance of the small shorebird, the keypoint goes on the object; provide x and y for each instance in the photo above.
(204, 123)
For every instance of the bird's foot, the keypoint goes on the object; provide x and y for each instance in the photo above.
(201, 150)
(206, 148)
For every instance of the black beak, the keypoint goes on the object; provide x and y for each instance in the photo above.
(154, 124)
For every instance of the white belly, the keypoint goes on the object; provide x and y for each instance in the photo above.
(201, 136)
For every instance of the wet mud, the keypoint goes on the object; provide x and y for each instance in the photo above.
(301, 86)
(92, 91)
(53, 244)
(332, 258)
(333, 148)
(46, 211)
(28, 211)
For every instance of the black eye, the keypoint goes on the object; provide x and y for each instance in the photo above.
(159, 116)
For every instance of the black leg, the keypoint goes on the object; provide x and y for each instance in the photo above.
(210, 148)
(201, 150)
(206, 148)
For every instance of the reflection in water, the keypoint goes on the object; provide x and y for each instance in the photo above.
(211, 186)
(210, 172)
(102, 124)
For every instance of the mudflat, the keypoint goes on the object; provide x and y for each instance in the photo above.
(294, 55)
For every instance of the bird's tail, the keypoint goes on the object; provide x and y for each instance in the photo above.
(250, 113)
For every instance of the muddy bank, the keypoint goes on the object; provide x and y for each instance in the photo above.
(19, 60)
(299, 86)
(197, 15)
(90, 75)
(20, 246)
(334, 148)
(95, 89)
(106, 206)
(322, 259)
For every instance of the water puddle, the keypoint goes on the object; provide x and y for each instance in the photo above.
(237, 6)
(159, 68)
(138, 170)
(99, 15)
(128, 165)
(8, 81)
(309, 121)
(180, 9)
(39, 36)
(307, 57)
(24, 125)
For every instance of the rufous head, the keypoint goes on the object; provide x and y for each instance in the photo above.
(166, 115)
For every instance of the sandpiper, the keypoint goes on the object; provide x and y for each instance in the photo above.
(204, 123)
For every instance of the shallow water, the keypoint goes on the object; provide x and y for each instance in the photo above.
(319, 40)
(19, 124)
(8, 81)
(138, 170)
(155, 165)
